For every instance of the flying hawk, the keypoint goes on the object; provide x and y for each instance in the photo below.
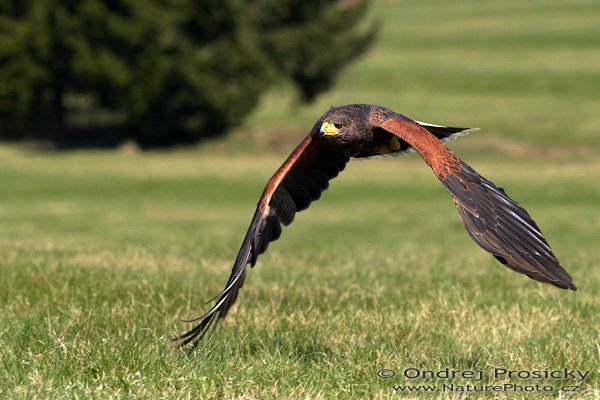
(492, 219)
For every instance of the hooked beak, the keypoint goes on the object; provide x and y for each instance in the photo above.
(328, 129)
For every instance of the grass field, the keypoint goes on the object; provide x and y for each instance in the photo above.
(102, 252)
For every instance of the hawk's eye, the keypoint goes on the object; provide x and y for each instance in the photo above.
(338, 126)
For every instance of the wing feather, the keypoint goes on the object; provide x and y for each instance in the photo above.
(494, 221)
(297, 183)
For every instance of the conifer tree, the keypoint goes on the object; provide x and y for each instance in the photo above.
(164, 71)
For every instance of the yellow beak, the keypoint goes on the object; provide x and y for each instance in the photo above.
(329, 129)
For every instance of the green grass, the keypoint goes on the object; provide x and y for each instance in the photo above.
(101, 252)
(524, 71)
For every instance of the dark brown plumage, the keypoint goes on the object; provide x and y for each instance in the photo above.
(492, 219)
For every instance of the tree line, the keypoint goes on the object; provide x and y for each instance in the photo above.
(163, 72)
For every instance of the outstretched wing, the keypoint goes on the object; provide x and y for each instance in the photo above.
(493, 220)
(502, 227)
(386, 144)
(299, 181)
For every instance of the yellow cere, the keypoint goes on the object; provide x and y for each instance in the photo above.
(329, 129)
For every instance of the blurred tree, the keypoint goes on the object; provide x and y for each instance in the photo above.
(311, 40)
(165, 71)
